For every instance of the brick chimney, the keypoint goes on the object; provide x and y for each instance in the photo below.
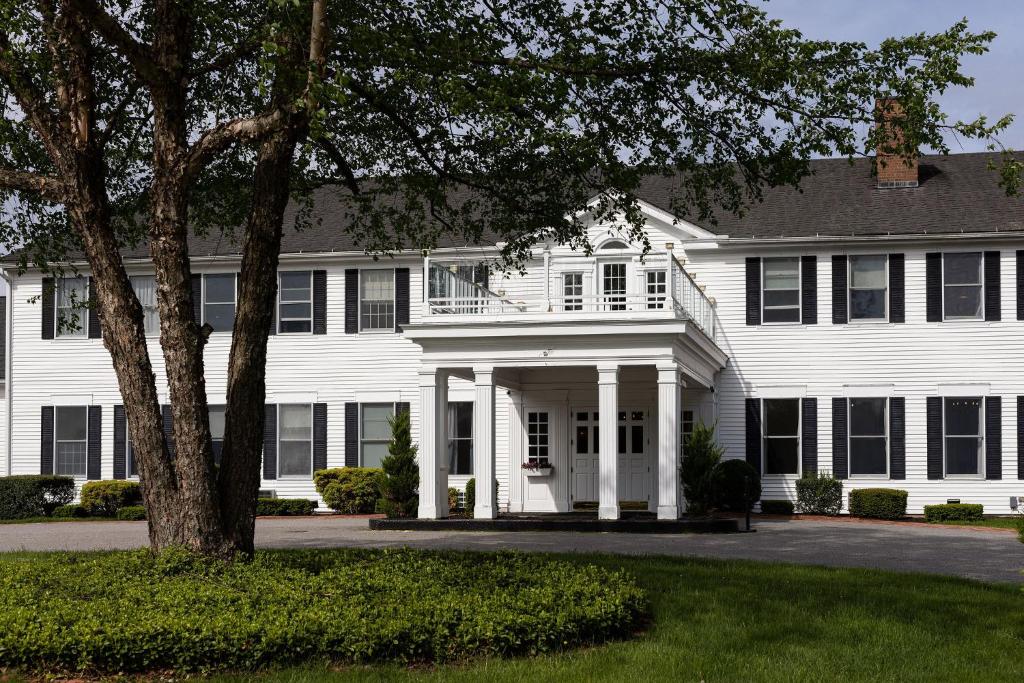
(893, 170)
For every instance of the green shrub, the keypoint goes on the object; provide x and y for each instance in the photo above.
(954, 512)
(700, 457)
(453, 498)
(878, 503)
(34, 495)
(1020, 527)
(349, 490)
(776, 507)
(471, 495)
(131, 513)
(735, 486)
(70, 511)
(401, 478)
(819, 494)
(285, 507)
(105, 498)
(136, 612)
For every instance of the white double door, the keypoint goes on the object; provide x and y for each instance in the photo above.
(633, 441)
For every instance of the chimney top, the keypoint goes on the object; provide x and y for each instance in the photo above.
(893, 170)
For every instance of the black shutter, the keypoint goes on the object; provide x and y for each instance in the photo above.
(840, 444)
(320, 302)
(401, 298)
(897, 438)
(401, 407)
(753, 291)
(46, 441)
(351, 435)
(809, 437)
(319, 436)
(48, 296)
(993, 437)
(277, 305)
(197, 298)
(120, 443)
(933, 421)
(270, 441)
(754, 433)
(3, 337)
(840, 312)
(351, 301)
(1020, 437)
(168, 420)
(94, 444)
(94, 330)
(897, 296)
(992, 286)
(933, 288)
(1020, 285)
(809, 285)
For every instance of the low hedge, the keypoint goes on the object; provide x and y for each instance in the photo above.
(105, 498)
(819, 494)
(878, 503)
(954, 512)
(136, 612)
(285, 507)
(776, 507)
(69, 511)
(34, 495)
(349, 490)
(131, 513)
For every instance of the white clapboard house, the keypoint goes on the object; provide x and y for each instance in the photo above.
(870, 328)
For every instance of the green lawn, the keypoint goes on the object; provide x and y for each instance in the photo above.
(991, 522)
(743, 621)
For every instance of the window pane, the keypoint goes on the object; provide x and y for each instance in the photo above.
(781, 456)
(782, 273)
(781, 315)
(145, 291)
(782, 416)
(295, 311)
(71, 423)
(72, 297)
(221, 317)
(295, 459)
(295, 422)
(867, 272)
(220, 288)
(463, 420)
(378, 285)
(375, 421)
(374, 454)
(963, 416)
(295, 286)
(582, 440)
(71, 458)
(637, 439)
(962, 269)
(217, 422)
(962, 455)
(962, 301)
(784, 297)
(621, 439)
(460, 456)
(868, 456)
(867, 417)
(296, 326)
(866, 304)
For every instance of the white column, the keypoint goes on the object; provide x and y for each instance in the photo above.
(432, 452)
(486, 506)
(669, 450)
(608, 455)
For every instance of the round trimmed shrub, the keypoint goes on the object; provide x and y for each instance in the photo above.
(878, 503)
(132, 513)
(349, 490)
(136, 612)
(954, 512)
(105, 498)
(819, 494)
(735, 486)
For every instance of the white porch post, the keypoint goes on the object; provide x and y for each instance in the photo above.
(608, 451)
(486, 506)
(432, 451)
(669, 451)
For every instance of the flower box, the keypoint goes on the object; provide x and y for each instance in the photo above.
(531, 470)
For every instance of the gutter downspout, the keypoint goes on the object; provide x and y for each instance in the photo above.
(9, 332)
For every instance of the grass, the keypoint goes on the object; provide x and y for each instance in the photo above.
(39, 520)
(990, 522)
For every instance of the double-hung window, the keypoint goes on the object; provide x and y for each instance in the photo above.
(295, 440)
(145, 291)
(460, 437)
(377, 300)
(962, 287)
(656, 289)
(374, 433)
(72, 297)
(70, 443)
(537, 432)
(781, 436)
(963, 438)
(295, 307)
(869, 437)
(868, 287)
(572, 291)
(781, 290)
(219, 301)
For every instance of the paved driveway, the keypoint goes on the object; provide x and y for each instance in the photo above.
(985, 555)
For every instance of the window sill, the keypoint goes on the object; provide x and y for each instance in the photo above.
(964, 477)
(294, 477)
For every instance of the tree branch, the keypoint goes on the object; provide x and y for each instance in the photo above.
(113, 118)
(30, 99)
(24, 181)
(137, 53)
(222, 136)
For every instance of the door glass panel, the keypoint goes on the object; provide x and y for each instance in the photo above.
(637, 438)
(582, 440)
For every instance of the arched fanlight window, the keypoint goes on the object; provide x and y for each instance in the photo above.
(615, 244)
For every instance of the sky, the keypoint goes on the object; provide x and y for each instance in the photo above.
(999, 74)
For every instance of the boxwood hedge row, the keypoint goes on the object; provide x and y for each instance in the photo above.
(129, 612)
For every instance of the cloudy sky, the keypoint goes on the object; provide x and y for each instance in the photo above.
(999, 74)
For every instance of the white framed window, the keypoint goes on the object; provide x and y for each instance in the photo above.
(781, 420)
(613, 286)
(374, 432)
(869, 285)
(219, 301)
(687, 423)
(780, 290)
(71, 440)
(537, 432)
(868, 436)
(460, 437)
(657, 288)
(963, 438)
(295, 302)
(377, 299)
(295, 440)
(963, 286)
(72, 316)
(144, 287)
(572, 291)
